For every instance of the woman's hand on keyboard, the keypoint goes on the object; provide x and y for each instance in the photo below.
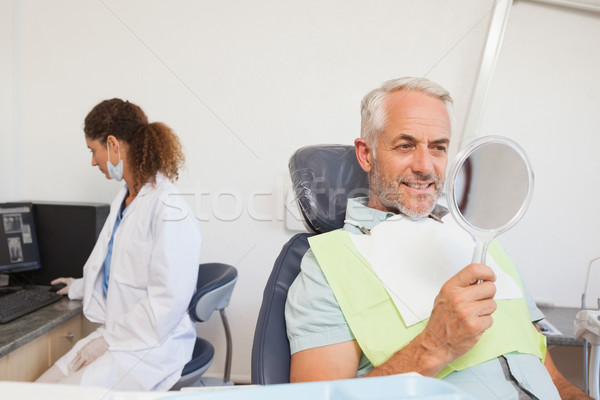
(66, 281)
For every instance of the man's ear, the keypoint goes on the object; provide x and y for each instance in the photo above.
(364, 154)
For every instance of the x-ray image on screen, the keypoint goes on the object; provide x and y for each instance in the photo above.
(18, 243)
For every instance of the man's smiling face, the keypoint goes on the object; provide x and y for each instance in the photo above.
(411, 155)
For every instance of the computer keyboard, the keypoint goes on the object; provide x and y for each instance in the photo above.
(23, 301)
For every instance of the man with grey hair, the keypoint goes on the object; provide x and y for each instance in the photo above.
(342, 313)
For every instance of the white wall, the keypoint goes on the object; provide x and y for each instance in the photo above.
(546, 95)
(8, 183)
(244, 84)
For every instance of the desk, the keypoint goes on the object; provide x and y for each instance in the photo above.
(566, 351)
(564, 319)
(32, 343)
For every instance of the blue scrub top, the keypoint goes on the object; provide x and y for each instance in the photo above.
(107, 260)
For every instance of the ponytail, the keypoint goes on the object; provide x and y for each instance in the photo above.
(155, 148)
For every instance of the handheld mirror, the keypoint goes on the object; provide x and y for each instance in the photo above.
(489, 188)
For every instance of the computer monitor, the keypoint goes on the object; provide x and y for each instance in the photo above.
(67, 233)
(18, 241)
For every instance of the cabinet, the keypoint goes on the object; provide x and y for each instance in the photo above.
(32, 343)
(25, 363)
(29, 361)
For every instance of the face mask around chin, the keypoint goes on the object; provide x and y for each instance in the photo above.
(115, 171)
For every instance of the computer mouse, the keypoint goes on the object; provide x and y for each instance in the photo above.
(57, 287)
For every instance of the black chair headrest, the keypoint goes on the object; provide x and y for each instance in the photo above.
(323, 178)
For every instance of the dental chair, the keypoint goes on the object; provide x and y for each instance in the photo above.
(323, 178)
(214, 289)
(587, 328)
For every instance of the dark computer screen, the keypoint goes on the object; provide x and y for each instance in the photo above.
(18, 242)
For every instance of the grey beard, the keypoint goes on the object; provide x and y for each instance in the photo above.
(388, 195)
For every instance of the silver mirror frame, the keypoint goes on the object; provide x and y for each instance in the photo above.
(483, 236)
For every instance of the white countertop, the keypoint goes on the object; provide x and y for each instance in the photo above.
(405, 386)
(47, 391)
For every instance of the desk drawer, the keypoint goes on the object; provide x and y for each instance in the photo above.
(62, 338)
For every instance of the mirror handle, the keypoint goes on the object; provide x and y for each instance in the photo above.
(480, 251)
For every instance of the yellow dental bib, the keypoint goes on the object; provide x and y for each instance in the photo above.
(378, 326)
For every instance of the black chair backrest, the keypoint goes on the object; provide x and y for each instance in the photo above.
(324, 177)
(271, 348)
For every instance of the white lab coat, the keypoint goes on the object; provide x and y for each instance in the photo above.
(154, 268)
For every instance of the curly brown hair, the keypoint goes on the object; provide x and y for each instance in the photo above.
(153, 147)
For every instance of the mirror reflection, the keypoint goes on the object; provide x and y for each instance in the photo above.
(489, 188)
(493, 186)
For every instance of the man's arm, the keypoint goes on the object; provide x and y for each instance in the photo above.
(461, 313)
(566, 389)
(325, 363)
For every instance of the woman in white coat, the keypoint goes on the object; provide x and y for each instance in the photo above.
(142, 272)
